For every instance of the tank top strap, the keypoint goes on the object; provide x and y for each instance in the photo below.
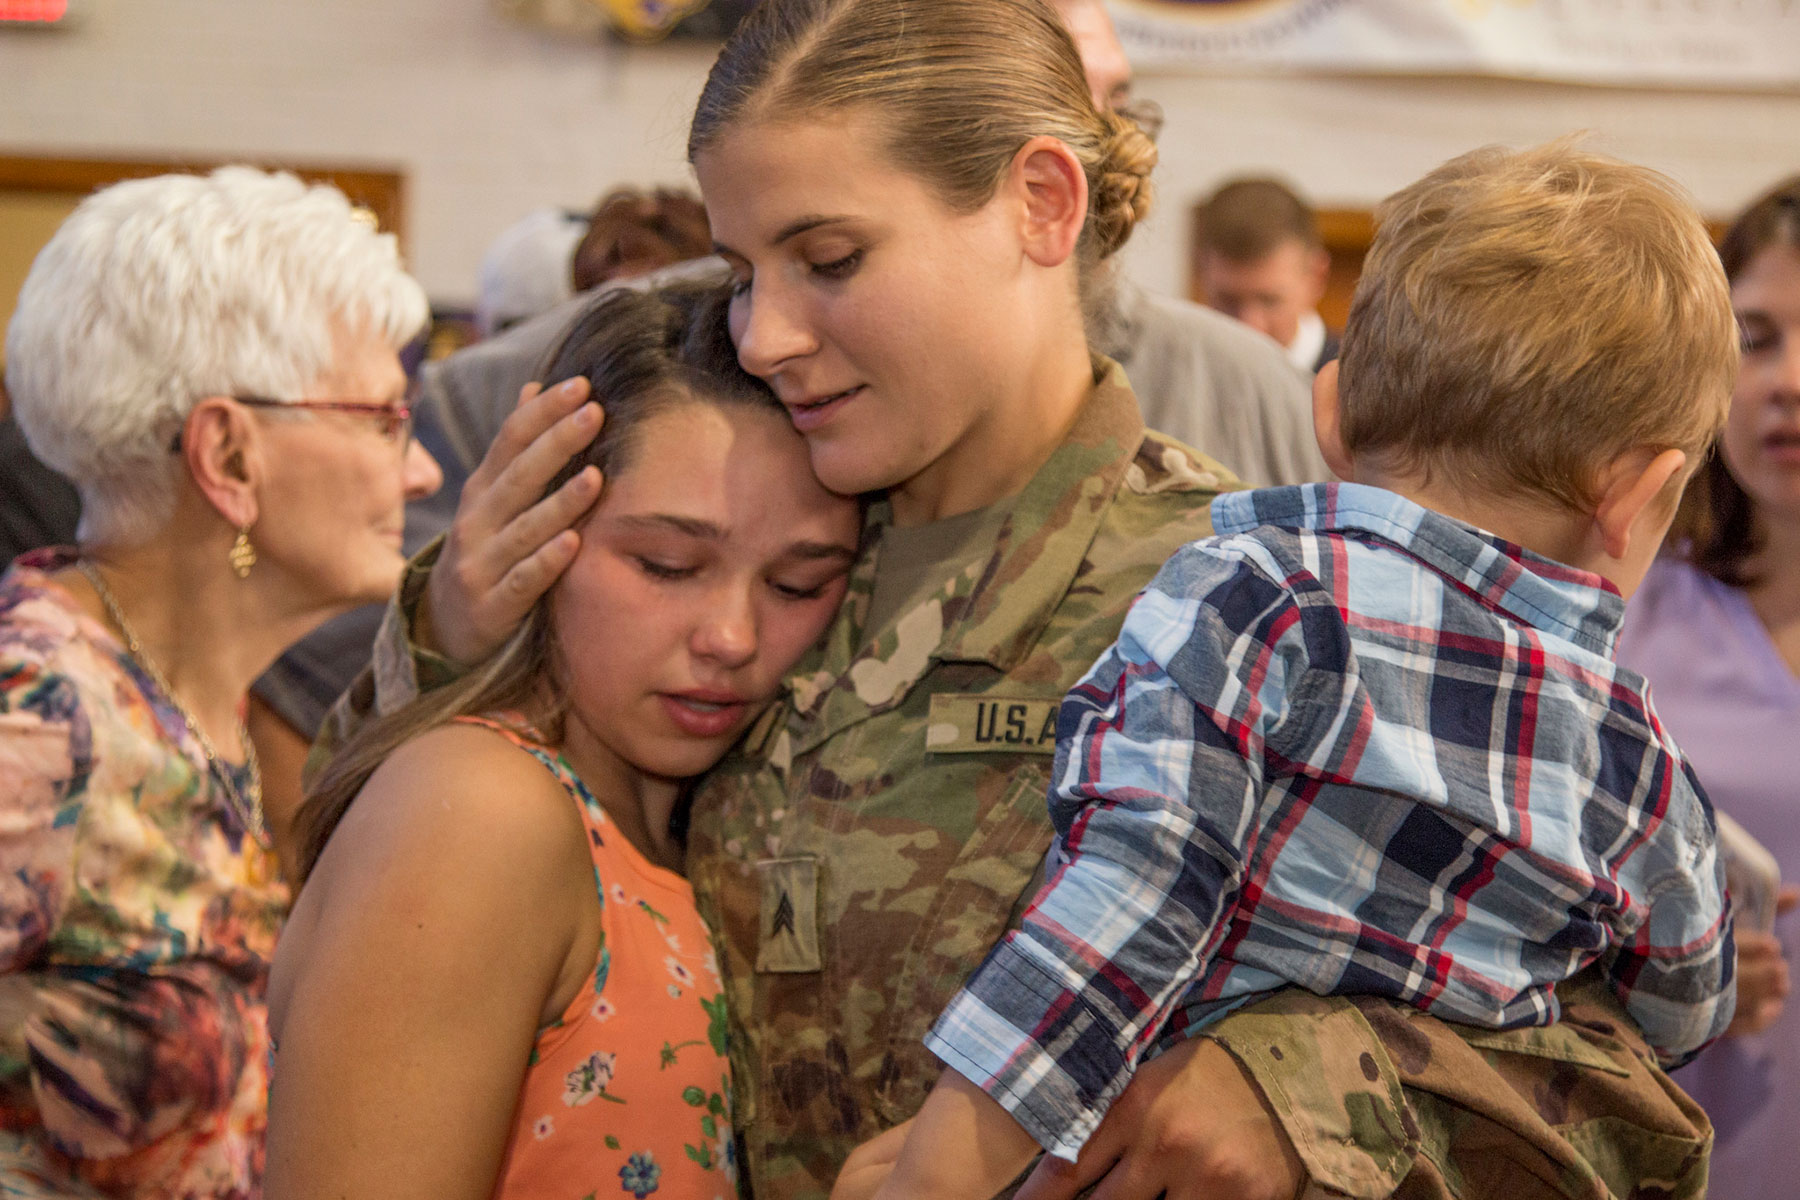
(521, 733)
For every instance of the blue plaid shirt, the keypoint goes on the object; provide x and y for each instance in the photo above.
(1358, 746)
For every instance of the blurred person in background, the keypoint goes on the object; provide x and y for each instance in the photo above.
(1716, 630)
(634, 232)
(38, 507)
(1262, 263)
(214, 361)
(527, 269)
(553, 254)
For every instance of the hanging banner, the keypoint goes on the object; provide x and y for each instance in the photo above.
(1682, 43)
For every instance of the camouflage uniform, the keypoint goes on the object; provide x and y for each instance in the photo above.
(873, 833)
(877, 830)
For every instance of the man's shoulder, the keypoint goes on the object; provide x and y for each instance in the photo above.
(477, 371)
(1217, 383)
(1219, 348)
(468, 394)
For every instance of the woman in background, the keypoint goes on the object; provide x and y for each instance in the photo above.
(1716, 629)
(214, 361)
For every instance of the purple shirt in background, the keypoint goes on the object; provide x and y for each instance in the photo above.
(1733, 706)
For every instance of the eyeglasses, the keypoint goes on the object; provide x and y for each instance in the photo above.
(395, 419)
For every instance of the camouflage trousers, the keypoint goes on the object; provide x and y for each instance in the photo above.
(1431, 1111)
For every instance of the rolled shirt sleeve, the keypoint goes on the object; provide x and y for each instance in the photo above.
(1675, 974)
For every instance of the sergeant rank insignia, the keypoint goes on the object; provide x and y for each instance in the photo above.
(789, 924)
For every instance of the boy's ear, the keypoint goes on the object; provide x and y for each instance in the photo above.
(220, 445)
(1630, 485)
(1050, 180)
(1326, 416)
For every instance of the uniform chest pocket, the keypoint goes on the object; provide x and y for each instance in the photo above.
(969, 911)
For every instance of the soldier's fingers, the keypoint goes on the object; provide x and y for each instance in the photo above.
(535, 407)
(541, 416)
(521, 482)
(870, 1164)
(883, 1148)
(860, 1182)
(1055, 1179)
(1133, 1177)
(478, 591)
(1787, 900)
(548, 517)
(529, 579)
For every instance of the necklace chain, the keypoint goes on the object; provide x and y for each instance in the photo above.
(247, 804)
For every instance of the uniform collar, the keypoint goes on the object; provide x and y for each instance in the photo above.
(996, 610)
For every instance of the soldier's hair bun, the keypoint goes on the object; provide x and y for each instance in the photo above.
(1120, 192)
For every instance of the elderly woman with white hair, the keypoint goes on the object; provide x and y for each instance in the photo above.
(213, 360)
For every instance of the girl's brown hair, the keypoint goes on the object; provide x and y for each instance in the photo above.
(644, 353)
(1716, 527)
(958, 88)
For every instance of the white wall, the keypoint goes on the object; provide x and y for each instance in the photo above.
(489, 120)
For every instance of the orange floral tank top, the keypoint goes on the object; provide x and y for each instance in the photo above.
(628, 1092)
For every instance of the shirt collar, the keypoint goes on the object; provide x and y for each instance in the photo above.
(1577, 605)
(1043, 543)
(1308, 343)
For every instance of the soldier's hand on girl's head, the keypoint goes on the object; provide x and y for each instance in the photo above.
(1190, 1124)
(510, 542)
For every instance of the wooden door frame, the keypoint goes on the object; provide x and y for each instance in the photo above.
(379, 188)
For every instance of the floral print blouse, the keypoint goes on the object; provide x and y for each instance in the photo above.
(137, 921)
(627, 1094)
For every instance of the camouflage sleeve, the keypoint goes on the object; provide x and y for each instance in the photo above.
(1329, 1080)
(1380, 1099)
(400, 670)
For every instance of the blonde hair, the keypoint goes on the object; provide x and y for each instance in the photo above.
(959, 87)
(1524, 317)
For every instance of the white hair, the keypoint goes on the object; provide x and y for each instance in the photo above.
(156, 293)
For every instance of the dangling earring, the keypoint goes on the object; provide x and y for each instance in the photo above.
(242, 555)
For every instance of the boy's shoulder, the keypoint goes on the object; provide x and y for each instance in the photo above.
(1277, 533)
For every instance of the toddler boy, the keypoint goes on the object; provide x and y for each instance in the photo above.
(1371, 739)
